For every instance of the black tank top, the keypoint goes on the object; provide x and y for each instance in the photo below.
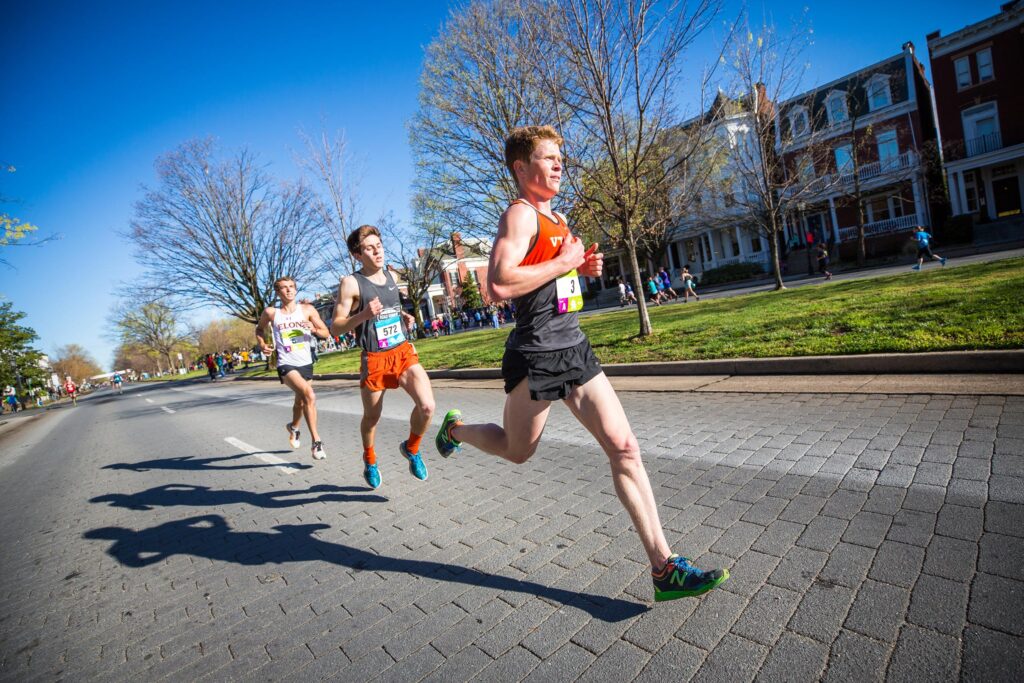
(387, 331)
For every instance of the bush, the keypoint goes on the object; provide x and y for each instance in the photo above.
(731, 273)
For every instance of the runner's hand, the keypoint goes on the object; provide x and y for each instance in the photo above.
(373, 308)
(571, 253)
(593, 263)
(267, 349)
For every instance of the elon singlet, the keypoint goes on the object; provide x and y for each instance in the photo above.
(386, 331)
(546, 318)
(292, 337)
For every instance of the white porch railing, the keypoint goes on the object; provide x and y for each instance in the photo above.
(880, 227)
(843, 181)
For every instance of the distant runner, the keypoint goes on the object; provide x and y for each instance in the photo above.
(71, 389)
(118, 382)
(688, 284)
(924, 248)
(536, 261)
(294, 325)
(368, 303)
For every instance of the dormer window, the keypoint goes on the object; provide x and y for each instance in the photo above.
(879, 94)
(835, 105)
(798, 122)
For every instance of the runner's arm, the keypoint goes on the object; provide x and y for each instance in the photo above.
(320, 330)
(506, 279)
(264, 321)
(348, 298)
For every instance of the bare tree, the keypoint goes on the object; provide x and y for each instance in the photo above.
(328, 159)
(622, 61)
(13, 230)
(768, 68)
(479, 81)
(218, 233)
(152, 326)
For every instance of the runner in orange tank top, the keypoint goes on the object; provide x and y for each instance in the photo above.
(536, 261)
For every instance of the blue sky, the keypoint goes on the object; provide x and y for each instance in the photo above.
(95, 92)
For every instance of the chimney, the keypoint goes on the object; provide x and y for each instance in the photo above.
(457, 247)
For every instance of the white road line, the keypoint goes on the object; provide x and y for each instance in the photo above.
(149, 400)
(282, 465)
(166, 410)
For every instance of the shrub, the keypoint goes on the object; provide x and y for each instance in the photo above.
(731, 273)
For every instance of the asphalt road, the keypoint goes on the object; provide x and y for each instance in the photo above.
(171, 534)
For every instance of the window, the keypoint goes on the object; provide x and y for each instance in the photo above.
(804, 168)
(971, 190)
(888, 147)
(878, 92)
(981, 129)
(844, 158)
(984, 59)
(798, 122)
(963, 72)
(836, 107)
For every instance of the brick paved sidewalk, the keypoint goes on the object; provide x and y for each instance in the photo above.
(869, 536)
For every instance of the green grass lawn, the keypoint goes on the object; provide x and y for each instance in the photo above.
(978, 306)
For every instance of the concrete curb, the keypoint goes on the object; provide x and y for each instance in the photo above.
(939, 362)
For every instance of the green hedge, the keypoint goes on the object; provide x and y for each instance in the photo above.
(731, 273)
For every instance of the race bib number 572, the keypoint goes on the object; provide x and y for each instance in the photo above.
(568, 296)
(389, 330)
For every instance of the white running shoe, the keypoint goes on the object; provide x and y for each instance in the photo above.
(318, 450)
(293, 435)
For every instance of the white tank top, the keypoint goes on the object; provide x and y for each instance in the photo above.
(292, 337)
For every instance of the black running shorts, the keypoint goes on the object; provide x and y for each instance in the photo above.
(924, 252)
(551, 375)
(306, 371)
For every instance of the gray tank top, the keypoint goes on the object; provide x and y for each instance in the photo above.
(387, 331)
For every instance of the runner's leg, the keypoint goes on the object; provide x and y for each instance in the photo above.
(305, 398)
(523, 422)
(597, 407)
(417, 384)
(373, 405)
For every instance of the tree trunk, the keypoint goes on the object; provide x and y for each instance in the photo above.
(773, 248)
(641, 293)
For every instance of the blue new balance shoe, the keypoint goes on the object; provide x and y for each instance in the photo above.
(416, 465)
(372, 476)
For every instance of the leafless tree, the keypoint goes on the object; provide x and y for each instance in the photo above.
(218, 233)
(768, 68)
(622, 63)
(479, 81)
(336, 201)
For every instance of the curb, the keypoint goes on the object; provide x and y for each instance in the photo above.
(935, 362)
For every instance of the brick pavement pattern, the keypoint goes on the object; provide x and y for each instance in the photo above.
(870, 537)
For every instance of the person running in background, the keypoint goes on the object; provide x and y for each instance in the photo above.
(652, 291)
(368, 303)
(211, 367)
(71, 389)
(689, 284)
(822, 254)
(293, 326)
(666, 281)
(537, 261)
(118, 381)
(924, 248)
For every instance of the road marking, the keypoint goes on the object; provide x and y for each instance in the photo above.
(149, 400)
(280, 464)
(166, 410)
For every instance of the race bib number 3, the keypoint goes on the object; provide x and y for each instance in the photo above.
(389, 331)
(567, 293)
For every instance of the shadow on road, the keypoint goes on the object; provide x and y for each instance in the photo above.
(171, 495)
(188, 462)
(210, 536)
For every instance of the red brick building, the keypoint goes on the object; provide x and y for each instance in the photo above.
(980, 103)
(875, 129)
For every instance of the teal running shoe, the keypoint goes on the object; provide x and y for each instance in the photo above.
(416, 465)
(372, 476)
(680, 579)
(446, 445)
